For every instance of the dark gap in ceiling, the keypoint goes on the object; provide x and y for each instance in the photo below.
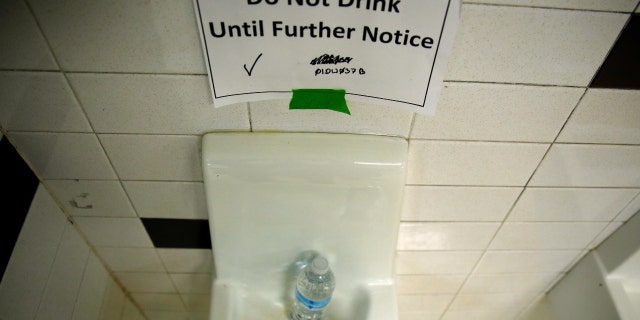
(20, 184)
(178, 233)
(621, 69)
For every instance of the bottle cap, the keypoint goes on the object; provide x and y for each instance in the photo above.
(319, 265)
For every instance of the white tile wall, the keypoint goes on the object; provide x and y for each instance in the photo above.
(472, 163)
(532, 46)
(150, 104)
(92, 198)
(498, 112)
(19, 32)
(520, 158)
(39, 101)
(159, 199)
(605, 116)
(53, 274)
(165, 38)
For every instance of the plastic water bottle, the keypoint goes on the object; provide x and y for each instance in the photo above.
(313, 290)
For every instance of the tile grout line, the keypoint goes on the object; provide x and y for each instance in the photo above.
(524, 188)
(541, 7)
(58, 202)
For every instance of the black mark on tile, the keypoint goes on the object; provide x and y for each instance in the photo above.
(178, 233)
(19, 187)
(621, 69)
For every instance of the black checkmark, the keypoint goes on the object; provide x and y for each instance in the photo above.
(253, 65)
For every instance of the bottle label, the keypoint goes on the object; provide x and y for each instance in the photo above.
(312, 304)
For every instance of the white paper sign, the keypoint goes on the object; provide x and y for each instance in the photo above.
(390, 52)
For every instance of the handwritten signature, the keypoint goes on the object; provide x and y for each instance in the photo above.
(330, 59)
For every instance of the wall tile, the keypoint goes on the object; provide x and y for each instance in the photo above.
(546, 235)
(425, 203)
(158, 302)
(472, 163)
(187, 260)
(610, 5)
(200, 303)
(498, 112)
(428, 284)
(604, 234)
(114, 232)
(631, 209)
(157, 104)
(529, 45)
(445, 236)
(59, 298)
(165, 38)
(27, 273)
(92, 290)
(151, 157)
(146, 282)
(39, 101)
(158, 199)
(526, 261)
(367, 119)
(65, 155)
(571, 204)
(432, 303)
(19, 31)
(92, 198)
(131, 259)
(192, 282)
(113, 302)
(605, 116)
(589, 166)
(502, 283)
(430, 262)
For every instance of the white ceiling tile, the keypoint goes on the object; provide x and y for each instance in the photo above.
(609, 5)
(146, 282)
(192, 282)
(445, 235)
(131, 259)
(154, 157)
(187, 260)
(436, 262)
(428, 284)
(605, 116)
(472, 163)
(158, 104)
(172, 315)
(95, 198)
(631, 209)
(159, 302)
(113, 302)
(432, 303)
(526, 261)
(530, 45)
(492, 301)
(366, 119)
(20, 33)
(589, 166)
(65, 155)
(546, 235)
(114, 232)
(498, 112)
(39, 101)
(503, 283)
(122, 36)
(92, 289)
(571, 204)
(131, 311)
(425, 203)
(159, 199)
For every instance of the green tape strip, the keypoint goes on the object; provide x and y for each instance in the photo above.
(332, 99)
